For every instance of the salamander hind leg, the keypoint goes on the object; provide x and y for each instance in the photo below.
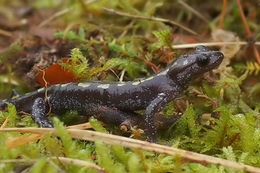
(39, 113)
(114, 116)
(106, 114)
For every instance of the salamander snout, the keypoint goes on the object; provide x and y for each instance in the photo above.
(3, 105)
(209, 60)
(216, 58)
(205, 61)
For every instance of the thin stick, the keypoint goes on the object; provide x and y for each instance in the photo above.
(126, 29)
(55, 15)
(242, 15)
(249, 34)
(78, 163)
(61, 159)
(80, 126)
(184, 46)
(20, 140)
(141, 145)
(5, 33)
(221, 20)
(122, 76)
(62, 12)
(4, 123)
(195, 12)
(257, 57)
(149, 18)
(17, 161)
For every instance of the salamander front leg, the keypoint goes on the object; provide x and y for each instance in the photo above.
(39, 113)
(155, 106)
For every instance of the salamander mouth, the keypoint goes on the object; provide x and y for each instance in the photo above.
(217, 58)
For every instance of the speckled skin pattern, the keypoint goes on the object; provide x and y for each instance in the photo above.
(150, 94)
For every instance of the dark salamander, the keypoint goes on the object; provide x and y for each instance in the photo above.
(150, 94)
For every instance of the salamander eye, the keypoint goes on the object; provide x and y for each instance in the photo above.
(202, 60)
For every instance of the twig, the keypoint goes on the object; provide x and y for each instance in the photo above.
(20, 140)
(55, 15)
(242, 15)
(4, 123)
(233, 139)
(184, 46)
(17, 160)
(66, 10)
(61, 159)
(224, 5)
(149, 18)
(122, 76)
(80, 126)
(256, 54)
(60, 169)
(78, 163)
(249, 34)
(141, 145)
(185, 5)
(202, 95)
(118, 78)
(126, 29)
(5, 33)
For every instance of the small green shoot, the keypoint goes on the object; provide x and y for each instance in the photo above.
(164, 39)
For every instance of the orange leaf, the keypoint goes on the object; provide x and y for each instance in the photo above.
(56, 74)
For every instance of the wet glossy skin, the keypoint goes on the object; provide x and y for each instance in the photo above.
(150, 94)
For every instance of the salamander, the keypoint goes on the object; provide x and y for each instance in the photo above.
(150, 94)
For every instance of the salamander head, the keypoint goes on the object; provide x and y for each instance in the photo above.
(3, 105)
(195, 64)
